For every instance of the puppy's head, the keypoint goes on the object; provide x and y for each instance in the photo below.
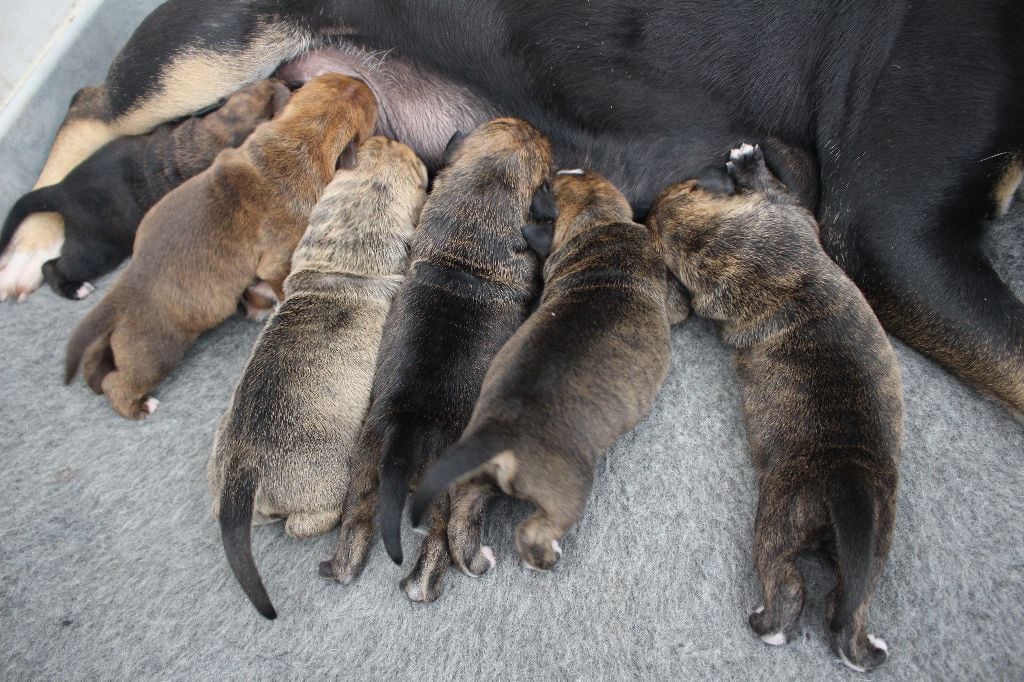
(333, 110)
(586, 199)
(508, 149)
(240, 113)
(365, 216)
(739, 255)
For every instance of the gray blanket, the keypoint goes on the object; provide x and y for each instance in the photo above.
(111, 566)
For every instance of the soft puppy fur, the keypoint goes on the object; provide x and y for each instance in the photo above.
(583, 370)
(470, 283)
(204, 243)
(283, 445)
(822, 396)
(105, 197)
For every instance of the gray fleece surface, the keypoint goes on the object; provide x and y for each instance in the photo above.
(110, 565)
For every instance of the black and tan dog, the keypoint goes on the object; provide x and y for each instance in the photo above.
(583, 370)
(205, 242)
(105, 197)
(822, 397)
(469, 286)
(312, 366)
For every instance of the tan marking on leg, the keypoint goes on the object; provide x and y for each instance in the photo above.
(199, 77)
(1008, 186)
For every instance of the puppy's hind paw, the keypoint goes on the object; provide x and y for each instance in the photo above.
(484, 562)
(862, 654)
(746, 166)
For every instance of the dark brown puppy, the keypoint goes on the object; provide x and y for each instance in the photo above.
(204, 243)
(582, 371)
(105, 197)
(312, 367)
(469, 286)
(822, 396)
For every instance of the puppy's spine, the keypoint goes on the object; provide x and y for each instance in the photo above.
(236, 502)
(42, 200)
(98, 322)
(852, 509)
(403, 450)
(456, 462)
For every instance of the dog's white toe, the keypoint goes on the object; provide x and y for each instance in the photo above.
(775, 638)
(879, 643)
(84, 290)
(489, 555)
(150, 405)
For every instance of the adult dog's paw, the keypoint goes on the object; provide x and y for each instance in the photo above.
(37, 240)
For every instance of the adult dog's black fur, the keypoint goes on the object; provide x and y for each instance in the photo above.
(913, 111)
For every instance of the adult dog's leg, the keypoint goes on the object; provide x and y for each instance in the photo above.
(186, 55)
(920, 169)
(946, 300)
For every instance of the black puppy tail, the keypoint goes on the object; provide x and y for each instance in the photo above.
(98, 321)
(42, 200)
(405, 451)
(236, 503)
(456, 462)
(851, 506)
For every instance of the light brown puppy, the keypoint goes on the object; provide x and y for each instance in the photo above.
(580, 372)
(204, 243)
(822, 396)
(312, 366)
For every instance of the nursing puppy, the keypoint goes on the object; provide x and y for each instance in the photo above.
(105, 197)
(822, 397)
(469, 286)
(312, 366)
(583, 370)
(204, 243)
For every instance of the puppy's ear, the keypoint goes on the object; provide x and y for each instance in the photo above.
(716, 179)
(543, 208)
(454, 142)
(349, 156)
(280, 97)
(677, 299)
(538, 237)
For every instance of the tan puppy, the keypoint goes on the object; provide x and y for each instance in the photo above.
(822, 397)
(312, 366)
(204, 243)
(580, 372)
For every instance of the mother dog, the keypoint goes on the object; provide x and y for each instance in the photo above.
(914, 112)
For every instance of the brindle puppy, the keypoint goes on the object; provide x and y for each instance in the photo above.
(103, 199)
(822, 398)
(582, 371)
(312, 366)
(204, 243)
(469, 287)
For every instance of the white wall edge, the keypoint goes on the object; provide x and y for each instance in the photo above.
(56, 48)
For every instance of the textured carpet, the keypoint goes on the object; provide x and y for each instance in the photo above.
(110, 565)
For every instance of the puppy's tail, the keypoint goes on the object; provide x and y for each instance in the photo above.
(456, 462)
(404, 451)
(236, 503)
(852, 507)
(99, 321)
(42, 200)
